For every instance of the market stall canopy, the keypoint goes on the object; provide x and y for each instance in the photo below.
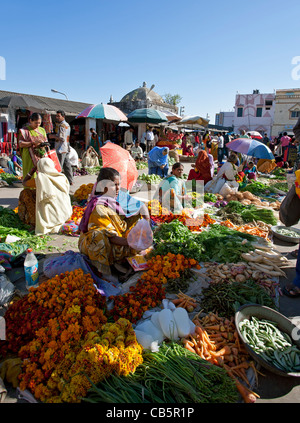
(172, 117)
(21, 102)
(250, 147)
(121, 160)
(47, 104)
(103, 111)
(194, 120)
(146, 116)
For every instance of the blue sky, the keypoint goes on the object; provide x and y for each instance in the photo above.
(205, 51)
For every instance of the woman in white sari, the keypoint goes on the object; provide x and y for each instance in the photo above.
(52, 203)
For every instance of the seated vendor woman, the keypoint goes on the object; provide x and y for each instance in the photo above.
(158, 161)
(171, 191)
(105, 225)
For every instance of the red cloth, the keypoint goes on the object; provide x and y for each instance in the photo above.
(201, 172)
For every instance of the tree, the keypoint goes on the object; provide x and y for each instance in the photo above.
(172, 99)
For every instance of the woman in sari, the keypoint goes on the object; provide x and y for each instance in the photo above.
(158, 161)
(105, 225)
(207, 141)
(30, 137)
(47, 205)
(171, 191)
(202, 169)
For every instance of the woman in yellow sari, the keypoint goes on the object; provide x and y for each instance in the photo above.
(104, 226)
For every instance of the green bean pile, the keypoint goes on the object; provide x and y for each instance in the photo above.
(171, 375)
(271, 344)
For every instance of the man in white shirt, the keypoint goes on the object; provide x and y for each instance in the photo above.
(150, 139)
(62, 144)
(220, 147)
(136, 151)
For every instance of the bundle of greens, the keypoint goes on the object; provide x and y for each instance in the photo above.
(171, 375)
(247, 213)
(224, 245)
(10, 219)
(264, 215)
(226, 298)
(258, 188)
(176, 238)
(218, 243)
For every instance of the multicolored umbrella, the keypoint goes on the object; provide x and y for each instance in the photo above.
(250, 147)
(103, 111)
(120, 159)
(146, 116)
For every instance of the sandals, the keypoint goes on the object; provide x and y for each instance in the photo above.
(288, 292)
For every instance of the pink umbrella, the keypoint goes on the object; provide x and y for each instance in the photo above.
(121, 160)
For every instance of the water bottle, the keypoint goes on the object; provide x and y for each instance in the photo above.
(31, 269)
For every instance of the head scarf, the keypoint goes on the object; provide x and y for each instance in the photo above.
(49, 182)
(156, 155)
(203, 164)
(97, 200)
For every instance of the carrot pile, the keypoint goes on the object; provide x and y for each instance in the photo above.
(216, 340)
(185, 302)
(249, 229)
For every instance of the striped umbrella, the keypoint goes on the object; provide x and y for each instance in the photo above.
(103, 111)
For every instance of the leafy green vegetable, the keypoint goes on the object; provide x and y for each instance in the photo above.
(264, 215)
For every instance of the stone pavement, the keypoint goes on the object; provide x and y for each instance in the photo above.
(271, 387)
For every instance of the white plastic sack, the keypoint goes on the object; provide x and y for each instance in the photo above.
(141, 236)
(228, 188)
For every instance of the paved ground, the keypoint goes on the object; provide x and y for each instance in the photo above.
(271, 388)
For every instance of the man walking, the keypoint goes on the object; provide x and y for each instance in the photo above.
(220, 147)
(62, 144)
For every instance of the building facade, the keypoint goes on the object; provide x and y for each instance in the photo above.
(254, 112)
(287, 111)
(225, 119)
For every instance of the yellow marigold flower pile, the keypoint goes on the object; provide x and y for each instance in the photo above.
(112, 349)
(83, 192)
(76, 308)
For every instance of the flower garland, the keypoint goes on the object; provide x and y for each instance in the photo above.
(150, 288)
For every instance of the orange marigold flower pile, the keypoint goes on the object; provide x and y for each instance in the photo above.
(51, 322)
(111, 349)
(150, 290)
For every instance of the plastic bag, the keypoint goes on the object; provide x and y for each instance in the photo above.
(7, 289)
(140, 237)
(228, 188)
(72, 260)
